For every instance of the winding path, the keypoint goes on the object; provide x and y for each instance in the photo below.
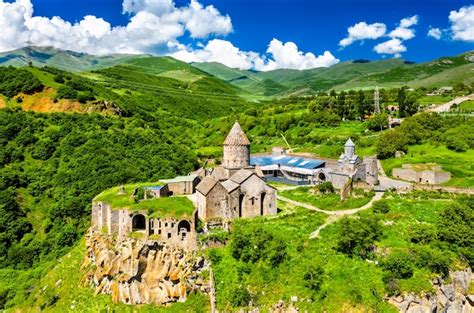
(447, 106)
(333, 215)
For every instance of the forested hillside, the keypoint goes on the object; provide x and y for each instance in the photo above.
(66, 136)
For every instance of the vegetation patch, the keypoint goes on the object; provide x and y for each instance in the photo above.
(176, 206)
(328, 201)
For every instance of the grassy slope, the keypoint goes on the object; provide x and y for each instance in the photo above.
(349, 284)
(459, 164)
(329, 202)
(441, 72)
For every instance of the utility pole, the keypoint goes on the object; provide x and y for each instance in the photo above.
(377, 101)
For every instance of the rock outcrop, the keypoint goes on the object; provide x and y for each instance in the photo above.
(449, 296)
(139, 272)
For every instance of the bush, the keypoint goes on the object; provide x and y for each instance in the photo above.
(252, 245)
(313, 278)
(239, 297)
(357, 236)
(423, 233)
(381, 207)
(456, 144)
(399, 264)
(326, 187)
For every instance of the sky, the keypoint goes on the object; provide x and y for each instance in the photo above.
(247, 34)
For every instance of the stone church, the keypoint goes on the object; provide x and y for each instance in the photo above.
(235, 189)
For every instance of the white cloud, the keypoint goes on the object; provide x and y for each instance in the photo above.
(392, 46)
(462, 23)
(280, 55)
(221, 51)
(287, 55)
(361, 31)
(435, 33)
(153, 23)
(403, 31)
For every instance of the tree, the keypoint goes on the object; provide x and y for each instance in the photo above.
(357, 236)
(378, 122)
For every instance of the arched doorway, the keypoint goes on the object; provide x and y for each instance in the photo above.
(241, 203)
(262, 203)
(183, 229)
(322, 177)
(138, 222)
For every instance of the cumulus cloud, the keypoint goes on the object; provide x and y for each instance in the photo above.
(362, 31)
(435, 33)
(287, 55)
(462, 24)
(279, 55)
(392, 46)
(152, 23)
(403, 31)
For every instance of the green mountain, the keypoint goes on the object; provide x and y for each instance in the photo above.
(348, 75)
(250, 84)
(67, 60)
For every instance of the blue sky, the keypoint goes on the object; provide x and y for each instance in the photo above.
(313, 26)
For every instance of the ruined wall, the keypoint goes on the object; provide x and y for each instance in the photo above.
(423, 177)
(338, 180)
(172, 232)
(184, 187)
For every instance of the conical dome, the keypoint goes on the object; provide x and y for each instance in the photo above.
(349, 143)
(236, 137)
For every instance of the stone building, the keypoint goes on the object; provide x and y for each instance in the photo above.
(175, 231)
(244, 194)
(235, 190)
(182, 185)
(351, 168)
(422, 173)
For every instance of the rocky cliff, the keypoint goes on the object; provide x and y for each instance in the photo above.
(142, 272)
(450, 295)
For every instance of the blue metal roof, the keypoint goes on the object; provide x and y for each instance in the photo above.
(286, 160)
(153, 187)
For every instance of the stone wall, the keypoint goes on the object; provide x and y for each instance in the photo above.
(423, 177)
(167, 230)
(183, 187)
(338, 180)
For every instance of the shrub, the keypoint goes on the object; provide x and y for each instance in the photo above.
(399, 264)
(423, 233)
(357, 236)
(239, 297)
(313, 278)
(381, 207)
(326, 187)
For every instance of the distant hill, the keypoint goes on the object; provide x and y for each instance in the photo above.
(349, 75)
(215, 77)
(66, 60)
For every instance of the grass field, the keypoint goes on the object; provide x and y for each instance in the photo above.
(459, 164)
(329, 202)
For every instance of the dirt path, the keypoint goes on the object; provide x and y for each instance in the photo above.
(333, 215)
(447, 106)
